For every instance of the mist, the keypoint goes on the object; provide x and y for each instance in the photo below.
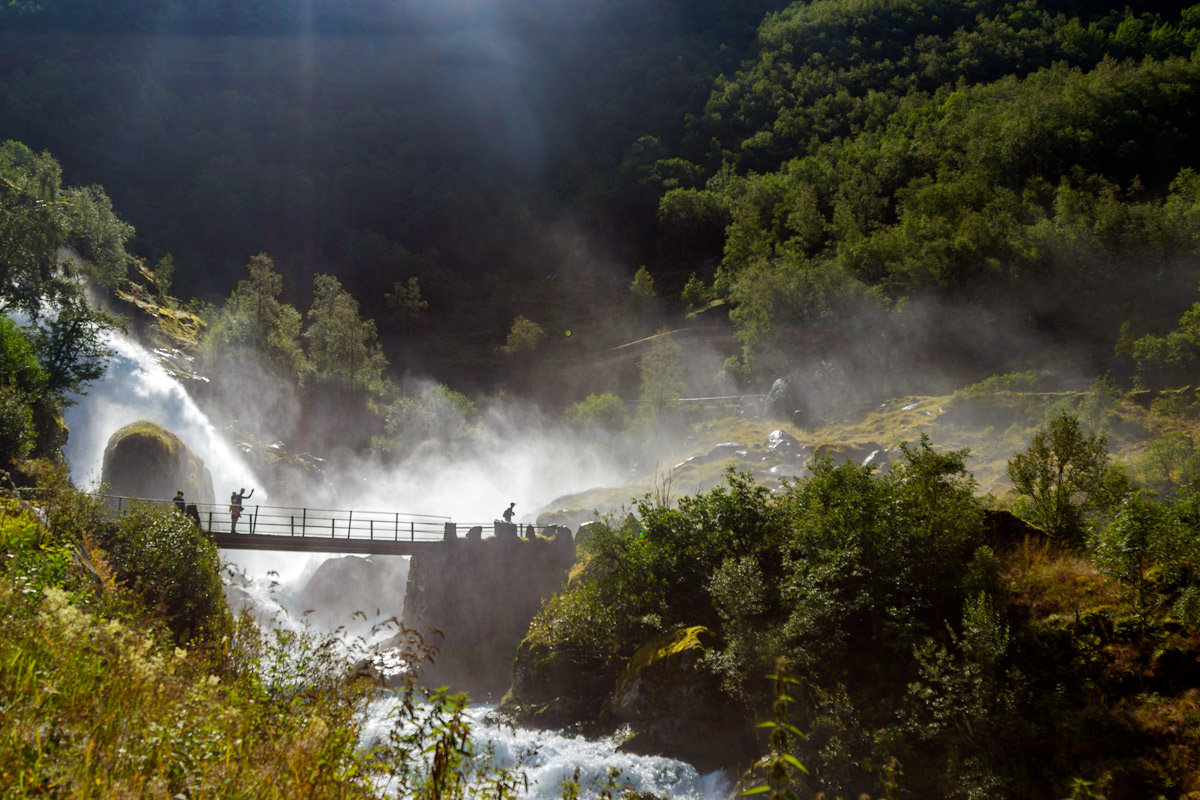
(135, 386)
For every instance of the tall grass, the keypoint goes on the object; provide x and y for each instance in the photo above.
(97, 701)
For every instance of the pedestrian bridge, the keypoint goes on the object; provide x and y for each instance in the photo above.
(328, 530)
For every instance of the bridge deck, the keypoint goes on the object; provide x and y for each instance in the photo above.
(318, 544)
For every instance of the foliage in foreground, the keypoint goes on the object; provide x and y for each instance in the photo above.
(931, 654)
(98, 700)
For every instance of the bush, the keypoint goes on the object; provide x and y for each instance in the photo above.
(24, 389)
(173, 568)
(603, 413)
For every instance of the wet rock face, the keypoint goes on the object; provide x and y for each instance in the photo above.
(146, 460)
(481, 595)
(665, 698)
(341, 586)
(556, 688)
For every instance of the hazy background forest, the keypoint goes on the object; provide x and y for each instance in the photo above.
(876, 196)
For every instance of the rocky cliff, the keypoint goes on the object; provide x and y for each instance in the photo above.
(481, 595)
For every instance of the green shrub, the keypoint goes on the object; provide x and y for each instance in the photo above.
(995, 384)
(604, 413)
(173, 567)
(24, 388)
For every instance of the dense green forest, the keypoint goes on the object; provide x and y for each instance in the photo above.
(1021, 168)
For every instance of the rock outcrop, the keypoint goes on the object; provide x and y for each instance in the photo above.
(481, 595)
(667, 703)
(662, 701)
(146, 460)
(340, 587)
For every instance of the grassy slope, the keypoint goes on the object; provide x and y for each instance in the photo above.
(993, 428)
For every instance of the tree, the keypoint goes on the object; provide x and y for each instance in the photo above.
(662, 374)
(33, 228)
(604, 412)
(255, 326)
(1140, 535)
(23, 384)
(1059, 476)
(51, 238)
(407, 301)
(524, 338)
(642, 297)
(342, 346)
(70, 343)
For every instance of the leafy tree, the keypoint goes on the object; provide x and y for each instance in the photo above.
(164, 274)
(524, 338)
(641, 289)
(695, 293)
(253, 339)
(604, 412)
(33, 227)
(1060, 476)
(342, 346)
(406, 300)
(70, 342)
(662, 373)
(97, 235)
(1140, 535)
(1173, 358)
(40, 221)
(435, 416)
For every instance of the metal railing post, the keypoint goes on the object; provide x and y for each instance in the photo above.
(304, 522)
(396, 538)
(292, 524)
(349, 522)
(412, 530)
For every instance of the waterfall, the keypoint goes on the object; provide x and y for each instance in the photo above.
(136, 386)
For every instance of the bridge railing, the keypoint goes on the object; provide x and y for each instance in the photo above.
(312, 523)
(293, 521)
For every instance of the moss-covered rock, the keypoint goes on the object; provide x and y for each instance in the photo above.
(146, 460)
(667, 703)
(554, 688)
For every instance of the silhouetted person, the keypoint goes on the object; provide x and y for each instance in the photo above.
(180, 503)
(508, 513)
(235, 507)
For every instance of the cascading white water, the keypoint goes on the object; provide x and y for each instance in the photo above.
(548, 758)
(136, 386)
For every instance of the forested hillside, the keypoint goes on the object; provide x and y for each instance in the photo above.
(1019, 168)
(1032, 162)
(475, 149)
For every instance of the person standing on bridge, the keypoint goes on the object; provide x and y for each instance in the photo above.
(508, 512)
(235, 507)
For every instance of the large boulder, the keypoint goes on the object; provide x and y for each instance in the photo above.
(146, 460)
(669, 704)
(343, 590)
(555, 688)
(481, 595)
